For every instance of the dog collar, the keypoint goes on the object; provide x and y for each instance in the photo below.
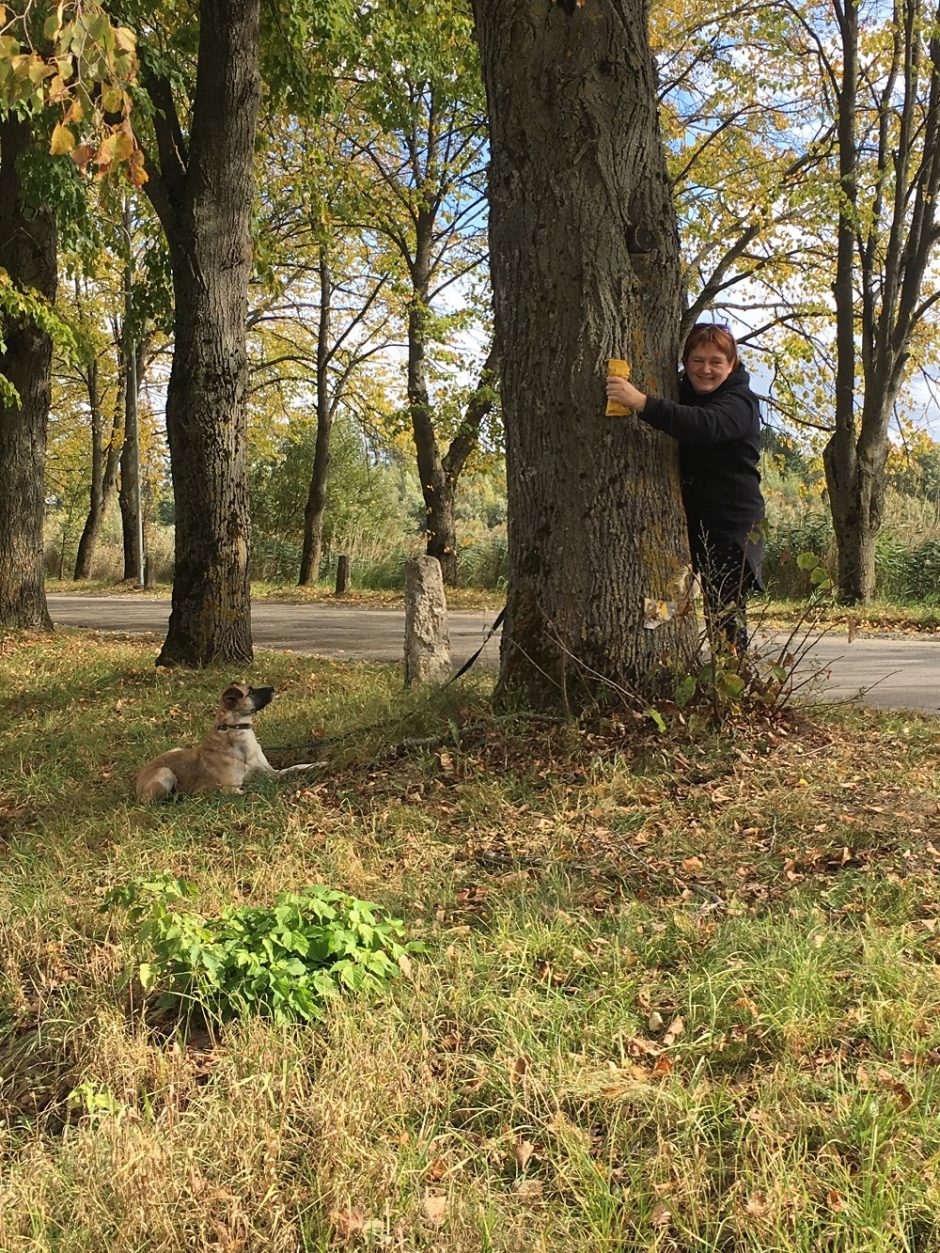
(237, 726)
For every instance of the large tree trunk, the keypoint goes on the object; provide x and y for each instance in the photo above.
(204, 201)
(316, 496)
(28, 254)
(585, 267)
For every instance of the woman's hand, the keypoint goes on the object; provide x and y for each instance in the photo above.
(624, 393)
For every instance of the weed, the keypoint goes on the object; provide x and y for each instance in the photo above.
(282, 962)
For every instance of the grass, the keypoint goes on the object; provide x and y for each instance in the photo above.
(877, 617)
(678, 996)
(318, 593)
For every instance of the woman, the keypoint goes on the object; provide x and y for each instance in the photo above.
(717, 425)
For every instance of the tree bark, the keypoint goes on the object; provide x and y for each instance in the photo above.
(441, 526)
(104, 474)
(129, 490)
(316, 496)
(585, 266)
(856, 569)
(28, 254)
(202, 193)
(442, 517)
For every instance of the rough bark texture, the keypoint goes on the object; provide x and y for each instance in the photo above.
(585, 267)
(202, 193)
(28, 254)
(427, 641)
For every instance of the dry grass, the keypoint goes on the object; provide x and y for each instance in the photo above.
(679, 995)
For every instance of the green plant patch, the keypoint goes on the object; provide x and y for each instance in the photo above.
(282, 962)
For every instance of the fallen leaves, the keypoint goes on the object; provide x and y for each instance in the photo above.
(435, 1208)
(522, 1151)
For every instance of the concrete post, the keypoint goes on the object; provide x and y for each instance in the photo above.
(427, 643)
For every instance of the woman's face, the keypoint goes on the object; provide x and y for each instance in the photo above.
(707, 367)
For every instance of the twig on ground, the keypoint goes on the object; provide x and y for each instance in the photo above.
(691, 885)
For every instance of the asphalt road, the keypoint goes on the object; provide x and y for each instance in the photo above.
(891, 673)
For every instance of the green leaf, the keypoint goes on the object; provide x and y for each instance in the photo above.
(731, 684)
(686, 689)
(657, 718)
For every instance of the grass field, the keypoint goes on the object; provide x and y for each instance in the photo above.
(676, 996)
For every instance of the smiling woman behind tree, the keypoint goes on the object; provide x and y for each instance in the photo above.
(717, 425)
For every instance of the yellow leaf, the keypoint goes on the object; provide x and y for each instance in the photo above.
(63, 140)
(112, 99)
(125, 39)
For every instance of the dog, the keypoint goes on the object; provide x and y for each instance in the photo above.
(228, 756)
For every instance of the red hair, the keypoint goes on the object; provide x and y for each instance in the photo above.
(712, 333)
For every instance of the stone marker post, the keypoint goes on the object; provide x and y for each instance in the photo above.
(427, 643)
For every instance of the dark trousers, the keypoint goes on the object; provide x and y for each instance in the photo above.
(727, 577)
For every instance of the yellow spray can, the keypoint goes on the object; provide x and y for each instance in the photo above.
(620, 369)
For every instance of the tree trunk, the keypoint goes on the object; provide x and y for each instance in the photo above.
(104, 474)
(28, 254)
(204, 198)
(857, 482)
(133, 354)
(839, 456)
(887, 234)
(585, 266)
(130, 488)
(316, 496)
(438, 503)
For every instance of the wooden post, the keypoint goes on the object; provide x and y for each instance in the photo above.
(342, 574)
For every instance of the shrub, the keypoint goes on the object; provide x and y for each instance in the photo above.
(281, 962)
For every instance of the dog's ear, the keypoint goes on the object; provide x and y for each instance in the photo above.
(233, 695)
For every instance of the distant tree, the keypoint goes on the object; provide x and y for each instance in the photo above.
(420, 86)
(321, 315)
(805, 151)
(885, 90)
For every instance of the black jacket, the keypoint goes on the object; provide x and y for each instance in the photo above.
(719, 450)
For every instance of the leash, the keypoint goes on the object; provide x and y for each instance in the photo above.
(470, 660)
(375, 726)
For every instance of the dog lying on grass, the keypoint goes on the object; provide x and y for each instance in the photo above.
(228, 756)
